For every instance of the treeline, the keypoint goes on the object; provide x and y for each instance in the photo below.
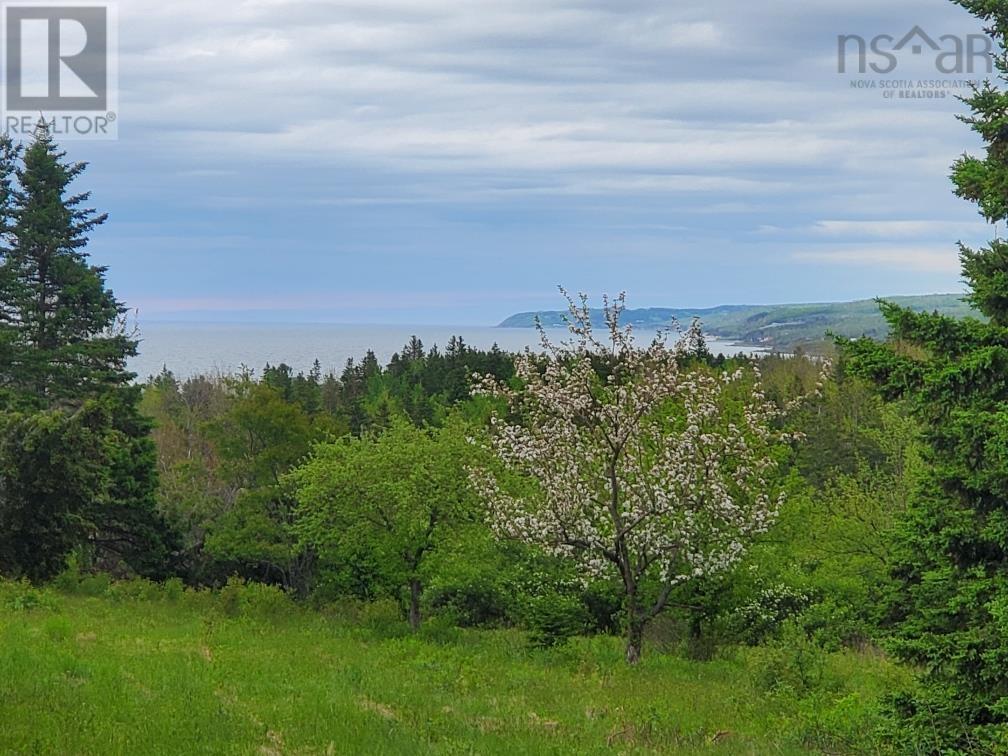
(226, 442)
(236, 456)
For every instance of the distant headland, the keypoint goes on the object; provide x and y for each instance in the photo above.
(781, 327)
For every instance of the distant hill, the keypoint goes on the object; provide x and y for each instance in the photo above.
(774, 326)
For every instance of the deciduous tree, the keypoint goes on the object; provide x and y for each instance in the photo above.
(401, 492)
(640, 464)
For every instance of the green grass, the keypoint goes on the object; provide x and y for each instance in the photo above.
(145, 674)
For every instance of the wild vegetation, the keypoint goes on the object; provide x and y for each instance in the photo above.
(607, 546)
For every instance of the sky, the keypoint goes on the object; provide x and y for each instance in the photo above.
(436, 161)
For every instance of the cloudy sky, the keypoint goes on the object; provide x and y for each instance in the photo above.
(437, 161)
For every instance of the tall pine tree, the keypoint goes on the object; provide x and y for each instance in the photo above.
(950, 608)
(63, 352)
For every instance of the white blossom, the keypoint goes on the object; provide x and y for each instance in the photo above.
(650, 472)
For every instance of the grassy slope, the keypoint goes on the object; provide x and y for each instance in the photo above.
(94, 676)
(780, 326)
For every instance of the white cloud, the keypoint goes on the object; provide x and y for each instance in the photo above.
(566, 119)
(899, 229)
(930, 259)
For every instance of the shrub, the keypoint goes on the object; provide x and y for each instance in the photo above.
(69, 579)
(834, 623)
(792, 662)
(21, 596)
(138, 589)
(94, 585)
(261, 600)
(480, 602)
(442, 631)
(241, 599)
(762, 616)
(229, 597)
(173, 589)
(554, 619)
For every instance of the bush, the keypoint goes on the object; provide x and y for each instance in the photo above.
(834, 624)
(21, 596)
(241, 599)
(762, 616)
(792, 662)
(442, 631)
(554, 619)
(383, 617)
(94, 585)
(138, 589)
(480, 602)
(848, 724)
(68, 581)
(173, 589)
(261, 600)
(604, 604)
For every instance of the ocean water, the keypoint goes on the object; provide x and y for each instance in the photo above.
(189, 349)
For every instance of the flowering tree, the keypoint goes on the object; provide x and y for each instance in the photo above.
(630, 460)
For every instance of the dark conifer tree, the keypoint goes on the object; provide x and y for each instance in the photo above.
(64, 348)
(950, 610)
(63, 326)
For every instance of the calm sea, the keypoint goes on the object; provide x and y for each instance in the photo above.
(192, 348)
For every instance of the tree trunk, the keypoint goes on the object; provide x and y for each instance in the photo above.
(635, 639)
(414, 607)
(635, 629)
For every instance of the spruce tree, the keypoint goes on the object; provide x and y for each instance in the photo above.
(950, 602)
(61, 324)
(63, 351)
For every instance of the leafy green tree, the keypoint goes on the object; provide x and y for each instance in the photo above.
(192, 493)
(951, 559)
(258, 440)
(402, 492)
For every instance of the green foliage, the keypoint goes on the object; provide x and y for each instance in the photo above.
(473, 579)
(74, 478)
(792, 662)
(68, 408)
(55, 311)
(22, 596)
(951, 548)
(224, 441)
(54, 475)
(135, 590)
(554, 619)
(400, 492)
(763, 616)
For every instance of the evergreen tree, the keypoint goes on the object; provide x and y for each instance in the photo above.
(951, 602)
(64, 348)
(61, 323)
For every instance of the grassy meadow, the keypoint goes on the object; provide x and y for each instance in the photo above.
(140, 668)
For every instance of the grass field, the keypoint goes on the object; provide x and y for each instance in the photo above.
(144, 670)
